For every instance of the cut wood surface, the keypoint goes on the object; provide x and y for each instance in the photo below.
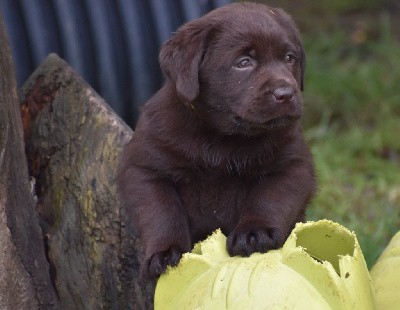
(24, 271)
(73, 140)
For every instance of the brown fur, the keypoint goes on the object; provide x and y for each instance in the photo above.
(220, 144)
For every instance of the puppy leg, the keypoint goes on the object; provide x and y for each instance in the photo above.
(164, 231)
(273, 208)
(156, 211)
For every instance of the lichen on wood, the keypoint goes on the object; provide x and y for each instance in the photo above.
(73, 144)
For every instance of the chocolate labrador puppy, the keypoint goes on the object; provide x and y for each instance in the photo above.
(220, 145)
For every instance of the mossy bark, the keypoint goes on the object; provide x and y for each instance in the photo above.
(73, 140)
(24, 271)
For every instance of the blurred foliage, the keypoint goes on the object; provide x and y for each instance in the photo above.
(351, 79)
(345, 6)
(352, 118)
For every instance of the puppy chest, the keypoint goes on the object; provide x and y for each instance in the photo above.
(212, 202)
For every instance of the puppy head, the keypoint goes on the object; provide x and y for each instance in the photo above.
(243, 67)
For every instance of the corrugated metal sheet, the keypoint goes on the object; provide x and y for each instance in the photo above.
(113, 44)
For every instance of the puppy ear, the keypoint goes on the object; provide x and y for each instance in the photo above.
(180, 59)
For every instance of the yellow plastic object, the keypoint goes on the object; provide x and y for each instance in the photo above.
(320, 266)
(386, 276)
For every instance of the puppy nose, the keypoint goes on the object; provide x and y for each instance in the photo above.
(283, 94)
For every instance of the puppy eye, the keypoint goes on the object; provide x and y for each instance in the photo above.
(244, 62)
(290, 58)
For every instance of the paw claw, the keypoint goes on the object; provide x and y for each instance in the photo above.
(246, 242)
(159, 261)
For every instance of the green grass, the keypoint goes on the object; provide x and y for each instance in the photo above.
(353, 124)
(352, 84)
(358, 186)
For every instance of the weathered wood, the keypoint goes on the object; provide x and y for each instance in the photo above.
(73, 143)
(24, 271)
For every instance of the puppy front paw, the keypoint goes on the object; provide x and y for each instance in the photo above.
(245, 242)
(158, 262)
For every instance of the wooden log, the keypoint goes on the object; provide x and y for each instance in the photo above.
(73, 143)
(24, 271)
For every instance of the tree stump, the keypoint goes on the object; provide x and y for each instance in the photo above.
(73, 140)
(24, 271)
